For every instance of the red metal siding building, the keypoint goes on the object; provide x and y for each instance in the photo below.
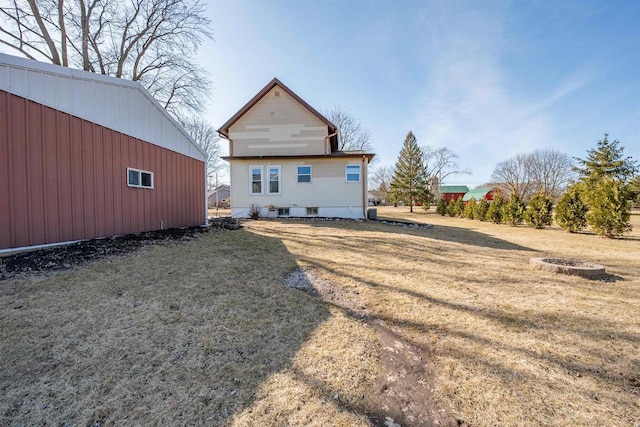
(64, 178)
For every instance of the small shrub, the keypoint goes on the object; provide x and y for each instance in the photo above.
(254, 213)
(459, 210)
(441, 207)
(571, 211)
(514, 210)
(470, 210)
(540, 211)
(495, 211)
(452, 208)
(481, 210)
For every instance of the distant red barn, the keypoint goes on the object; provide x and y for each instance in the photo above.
(453, 192)
(84, 155)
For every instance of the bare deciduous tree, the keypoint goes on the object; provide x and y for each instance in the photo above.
(551, 172)
(352, 135)
(544, 170)
(150, 41)
(440, 164)
(380, 181)
(207, 138)
(513, 176)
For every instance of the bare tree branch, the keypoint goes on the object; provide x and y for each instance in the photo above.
(352, 136)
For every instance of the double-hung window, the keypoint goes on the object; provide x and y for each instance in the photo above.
(139, 178)
(255, 175)
(274, 179)
(304, 173)
(353, 173)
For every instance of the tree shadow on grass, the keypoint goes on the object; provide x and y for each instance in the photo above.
(439, 232)
(172, 334)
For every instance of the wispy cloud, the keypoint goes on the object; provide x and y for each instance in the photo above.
(466, 101)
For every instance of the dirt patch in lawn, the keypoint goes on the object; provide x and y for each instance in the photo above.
(69, 256)
(404, 392)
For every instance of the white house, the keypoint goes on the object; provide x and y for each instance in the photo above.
(284, 154)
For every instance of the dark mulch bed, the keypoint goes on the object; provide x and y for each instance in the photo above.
(69, 256)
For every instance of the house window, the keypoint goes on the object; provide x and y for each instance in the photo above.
(304, 173)
(255, 186)
(312, 211)
(139, 178)
(353, 173)
(283, 211)
(274, 179)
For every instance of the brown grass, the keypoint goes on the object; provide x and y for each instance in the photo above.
(202, 332)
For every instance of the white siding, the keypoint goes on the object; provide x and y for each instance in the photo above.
(328, 189)
(278, 125)
(118, 104)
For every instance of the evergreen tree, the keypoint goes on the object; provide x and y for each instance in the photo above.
(494, 213)
(513, 210)
(604, 183)
(634, 190)
(459, 207)
(608, 212)
(606, 161)
(481, 210)
(410, 180)
(441, 207)
(540, 210)
(470, 209)
(452, 208)
(571, 211)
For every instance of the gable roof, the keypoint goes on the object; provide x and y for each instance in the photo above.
(454, 189)
(119, 104)
(224, 129)
(477, 193)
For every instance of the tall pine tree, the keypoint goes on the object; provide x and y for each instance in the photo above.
(409, 183)
(604, 185)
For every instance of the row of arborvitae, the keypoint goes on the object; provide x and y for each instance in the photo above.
(601, 197)
(514, 211)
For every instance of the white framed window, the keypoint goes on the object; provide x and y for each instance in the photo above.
(312, 211)
(283, 212)
(255, 180)
(139, 178)
(274, 179)
(304, 173)
(353, 173)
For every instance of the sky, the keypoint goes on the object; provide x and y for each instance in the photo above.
(488, 80)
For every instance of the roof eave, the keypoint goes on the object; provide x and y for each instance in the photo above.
(224, 129)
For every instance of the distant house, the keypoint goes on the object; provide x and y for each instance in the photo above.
(83, 155)
(220, 196)
(284, 155)
(480, 193)
(453, 192)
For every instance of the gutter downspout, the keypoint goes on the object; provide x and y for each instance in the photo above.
(364, 189)
(327, 146)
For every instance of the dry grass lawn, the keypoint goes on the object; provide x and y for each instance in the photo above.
(203, 332)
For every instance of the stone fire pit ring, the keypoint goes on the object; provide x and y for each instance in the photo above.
(568, 266)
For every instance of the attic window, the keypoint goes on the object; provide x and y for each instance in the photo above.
(276, 93)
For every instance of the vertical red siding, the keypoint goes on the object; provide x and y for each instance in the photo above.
(18, 166)
(77, 204)
(64, 179)
(51, 186)
(5, 195)
(64, 175)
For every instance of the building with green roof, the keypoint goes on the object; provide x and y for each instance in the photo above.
(480, 193)
(452, 192)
